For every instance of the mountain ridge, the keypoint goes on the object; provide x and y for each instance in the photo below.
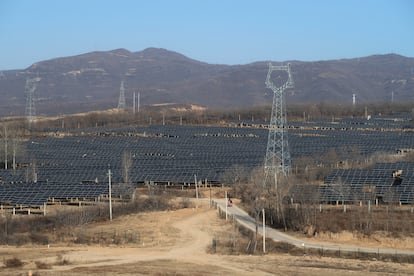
(91, 81)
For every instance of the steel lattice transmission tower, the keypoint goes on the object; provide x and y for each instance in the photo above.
(121, 101)
(277, 158)
(30, 88)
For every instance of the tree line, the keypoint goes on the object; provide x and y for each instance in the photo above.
(150, 115)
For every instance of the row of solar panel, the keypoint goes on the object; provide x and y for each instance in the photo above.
(36, 194)
(176, 153)
(381, 182)
(332, 194)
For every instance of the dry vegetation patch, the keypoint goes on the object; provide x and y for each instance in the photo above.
(13, 263)
(146, 229)
(179, 242)
(160, 267)
(377, 239)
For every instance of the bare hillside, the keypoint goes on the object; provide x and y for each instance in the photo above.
(91, 81)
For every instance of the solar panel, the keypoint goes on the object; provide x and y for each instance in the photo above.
(173, 153)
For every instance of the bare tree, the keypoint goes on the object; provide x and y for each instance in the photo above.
(235, 176)
(5, 148)
(31, 173)
(252, 194)
(344, 190)
(126, 166)
(11, 149)
(275, 196)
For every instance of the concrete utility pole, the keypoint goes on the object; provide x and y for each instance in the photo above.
(14, 154)
(195, 183)
(110, 194)
(264, 231)
(5, 147)
(133, 104)
(139, 95)
(225, 193)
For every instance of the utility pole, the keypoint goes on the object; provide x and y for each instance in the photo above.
(225, 192)
(14, 154)
(110, 194)
(210, 196)
(5, 147)
(264, 231)
(195, 183)
(139, 95)
(133, 104)
(136, 102)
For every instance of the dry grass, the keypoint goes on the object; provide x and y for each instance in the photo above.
(179, 242)
(13, 263)
(60, 260)
(42, 265)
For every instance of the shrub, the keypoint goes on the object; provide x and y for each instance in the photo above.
(42, 265)
(39, 238)
(61, 261)
(281, 247)
(186, 203)
(13, 263)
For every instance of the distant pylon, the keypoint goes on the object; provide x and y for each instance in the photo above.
(277, 152)
(30, 88)
(121, 101)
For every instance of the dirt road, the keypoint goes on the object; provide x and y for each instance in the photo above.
(276, 235)
(179, 247)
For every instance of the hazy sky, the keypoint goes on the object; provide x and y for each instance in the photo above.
(214, 31)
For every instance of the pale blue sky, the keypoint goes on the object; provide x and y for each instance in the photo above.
(213, 31)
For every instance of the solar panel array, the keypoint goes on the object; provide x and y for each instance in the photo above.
(158, 154)
(162, 154)
(176, 153)
(379, 134)
(378, 183)
(36, 194)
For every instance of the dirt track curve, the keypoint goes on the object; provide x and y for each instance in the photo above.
(193, 232)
